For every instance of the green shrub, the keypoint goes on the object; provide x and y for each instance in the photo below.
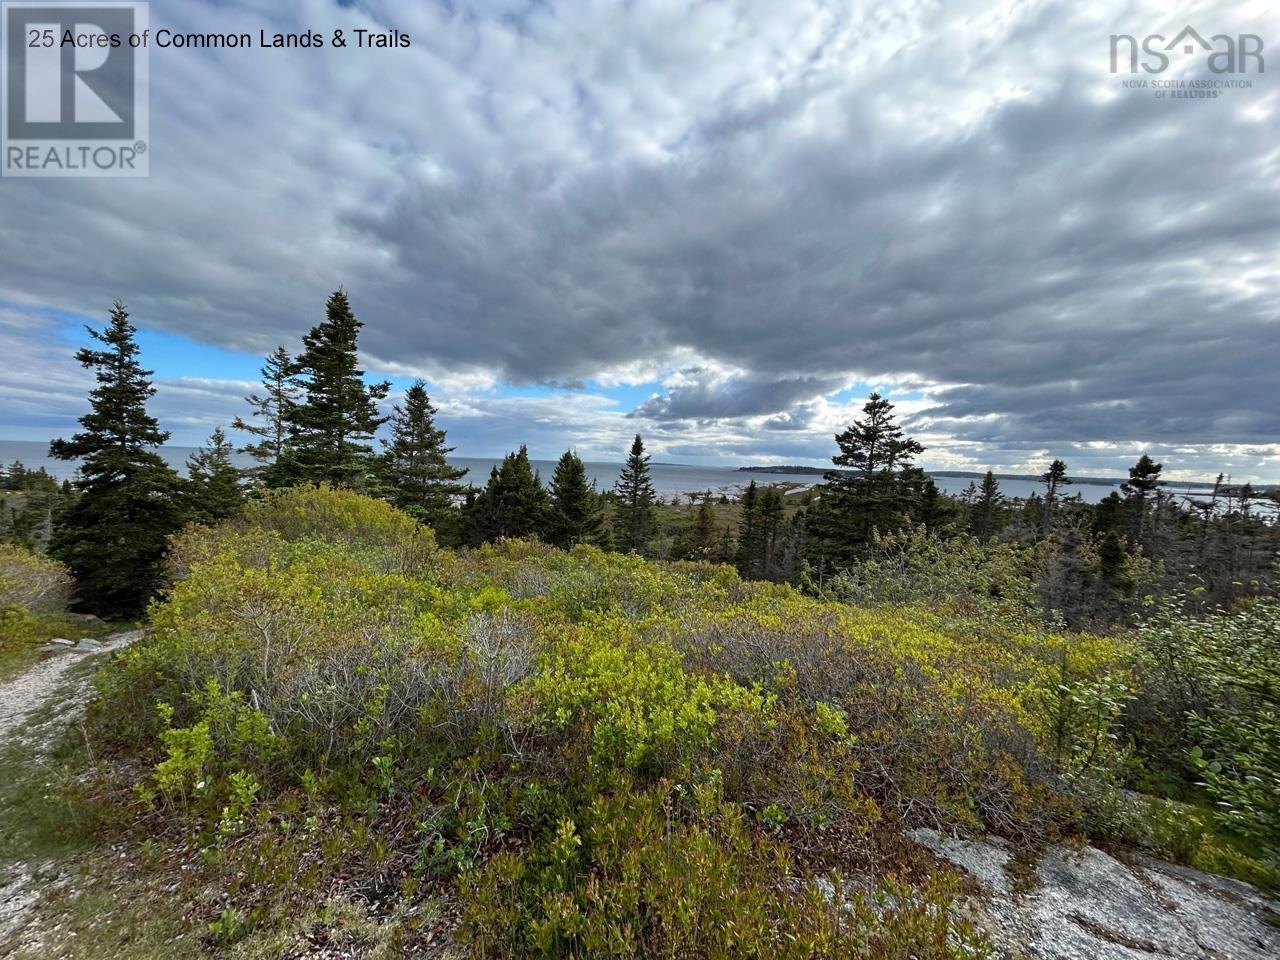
(34, 592)
(394, 540)
(30, 581)
(630, 697)
(991, 583)
(615, 756)
(660, 874)
(1211, 710)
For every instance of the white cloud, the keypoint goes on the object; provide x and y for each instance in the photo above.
(750, 204)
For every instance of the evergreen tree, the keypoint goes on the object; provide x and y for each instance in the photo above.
(1141, 491)
(477, 518)
(772, 516)
(1054, 479)
(213, 491)
(700, 539)
(113, 535)
(923, 502)
(575, 509)
(875, 492)
(749, 532)
(331, 428)
(636, 521)
(269, 421)
(417, 475)
(513, 504)
(725, 549)
(986, 509)
(1031, 519)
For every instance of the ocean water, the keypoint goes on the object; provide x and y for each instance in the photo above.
(669, 479)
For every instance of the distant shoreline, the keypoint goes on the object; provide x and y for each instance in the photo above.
(1031, 477)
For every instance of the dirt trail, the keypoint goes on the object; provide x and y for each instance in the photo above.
(28, 692)
(51, 683)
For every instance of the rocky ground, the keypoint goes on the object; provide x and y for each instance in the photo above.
(29, 693)
(1084, 904)
(34, 708)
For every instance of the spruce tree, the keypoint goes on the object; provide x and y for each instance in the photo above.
(478, 521)
(575, 510)
(984, 517)
(1054, 479)
(514, 503)
(636, 520)
(332, 426)
(1141, 489)
(269, 421)
(213, 487)
(875, 492)
(113, 535)
(417, 475)
(772, 515)
(749, 534)
(701, 539)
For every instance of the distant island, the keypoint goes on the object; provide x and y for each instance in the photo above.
(978, 475)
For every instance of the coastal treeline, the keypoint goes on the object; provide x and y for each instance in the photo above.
(316, 417)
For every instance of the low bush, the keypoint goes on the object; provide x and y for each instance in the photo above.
(613, 756)
(1209, 714)
(32, 582)
(671, 873)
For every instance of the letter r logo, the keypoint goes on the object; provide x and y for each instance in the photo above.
(78, 91)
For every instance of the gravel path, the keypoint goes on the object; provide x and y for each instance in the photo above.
(27, 693)
(22, 883)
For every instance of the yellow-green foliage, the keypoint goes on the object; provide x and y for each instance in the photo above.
(34, 591)
(656, 874)
(992, 583)
(1075, 700)
(1214, 684)
(631, 696)
(325, 645)
(30, 581)
(394, 540)
(812, 706)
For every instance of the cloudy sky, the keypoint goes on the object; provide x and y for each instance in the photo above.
(720, 224)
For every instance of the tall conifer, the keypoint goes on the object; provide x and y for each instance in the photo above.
(213, 490)
(113, 535)
(417, 476)
(985, 515)
(514, 503)
(575, 509)
(331, 428)
(269, 421)
(875, 492)
(636, 521)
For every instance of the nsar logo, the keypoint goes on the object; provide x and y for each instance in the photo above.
(1223, 53)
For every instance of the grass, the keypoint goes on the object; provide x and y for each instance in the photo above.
(101, 913)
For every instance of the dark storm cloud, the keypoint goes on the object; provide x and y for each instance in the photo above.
(798, 194)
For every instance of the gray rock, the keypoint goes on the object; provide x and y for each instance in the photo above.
(88, 645)
(1083, 904)
(62, 642)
